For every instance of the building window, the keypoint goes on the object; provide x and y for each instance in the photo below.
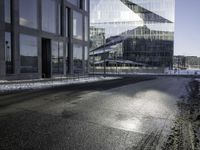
(28, 54)
(7, 11)
(86, 5)
(86, 53)
(78, 58)
(57, 57)
(8, 53)
(86, 28)
(67, 21)
(75, 2)
(28, 13)
(77, 25)
(49, 16)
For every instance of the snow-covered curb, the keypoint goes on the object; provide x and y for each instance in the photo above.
(35, 84)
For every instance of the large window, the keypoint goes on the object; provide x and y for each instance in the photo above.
(8, 53)
(78, 58)
(49, 15)
(28, 13)
(7, 11)
(28, 54)
(57, 57)
(77, 25)
(86, 28)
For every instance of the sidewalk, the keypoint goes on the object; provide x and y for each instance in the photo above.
(20, 85)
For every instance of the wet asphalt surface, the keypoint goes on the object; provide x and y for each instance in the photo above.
(122, 114)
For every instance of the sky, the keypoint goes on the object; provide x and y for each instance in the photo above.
(187, 28)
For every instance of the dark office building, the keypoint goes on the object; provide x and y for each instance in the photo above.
(43, 38)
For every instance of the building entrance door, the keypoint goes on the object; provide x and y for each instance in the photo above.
(46, 58)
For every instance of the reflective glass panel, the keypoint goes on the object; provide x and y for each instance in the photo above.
(131, 35)
(28, 54)
(7, 11)
(77, 25)
(8, 53)
(78, 58)
(57, 57)
(28, 13)
(49, 16)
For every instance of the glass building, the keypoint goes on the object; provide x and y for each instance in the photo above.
(131, 35)
(43, 38)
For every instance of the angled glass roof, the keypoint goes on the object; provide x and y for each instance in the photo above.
(146, 15)
(118, 16)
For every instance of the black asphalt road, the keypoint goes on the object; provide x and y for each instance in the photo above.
(108, 115)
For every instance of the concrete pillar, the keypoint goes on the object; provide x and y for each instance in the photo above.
(2, 40)
(15, 36)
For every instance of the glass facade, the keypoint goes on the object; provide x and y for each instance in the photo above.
(57, 57)
(78, 58)
(8, 53)
(77, 25)
(28, 54)
(138, 34)
(49, 14)
(7, 11)
(28, 15)
(46, 39)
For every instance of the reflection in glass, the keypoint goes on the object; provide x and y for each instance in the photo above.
(57, 57)
(8, 53)
(28, 13)
(138, 36)
(49, 16)
(28, 54)
(78, 58)
(7, 11)
(77, 25)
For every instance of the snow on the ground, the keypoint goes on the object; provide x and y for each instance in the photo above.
(183, 72)
(6, 86)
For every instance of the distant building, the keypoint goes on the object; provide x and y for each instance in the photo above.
(43, 38)
(179, 62)
(192, 62)
(186, 62)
